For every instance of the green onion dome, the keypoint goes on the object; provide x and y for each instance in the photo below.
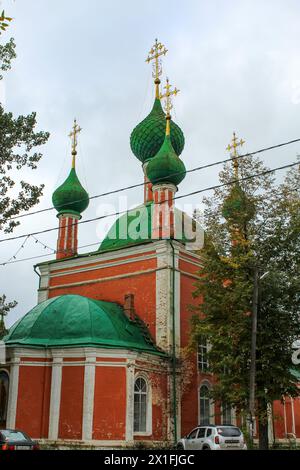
(147, 137)
(166, 166)
(237, 206)
(70, 197)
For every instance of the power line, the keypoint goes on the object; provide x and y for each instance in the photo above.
(177, 197)
(133, 186)
(43, 256)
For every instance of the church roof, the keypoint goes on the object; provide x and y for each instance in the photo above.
(148, 136)
(135, 227)
(77, 321)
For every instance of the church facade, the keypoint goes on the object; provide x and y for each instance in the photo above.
(101, 359)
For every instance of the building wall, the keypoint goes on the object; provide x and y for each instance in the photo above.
(110, 398)
(71, 404)
(109, 421)
(33, 399)
(110, 277)
(189, 266)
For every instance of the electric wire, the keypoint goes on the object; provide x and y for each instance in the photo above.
(133, 186)
(123, 212)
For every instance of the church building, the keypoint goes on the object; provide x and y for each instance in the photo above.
(100, 360)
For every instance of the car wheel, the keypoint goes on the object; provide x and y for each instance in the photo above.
(205, 448)
(180, 447)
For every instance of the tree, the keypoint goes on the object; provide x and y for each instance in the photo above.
(5, 307)
(251, 225)
(19, 142)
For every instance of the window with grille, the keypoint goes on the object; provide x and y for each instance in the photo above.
(204, 402)
(202, 355)
(140, 405)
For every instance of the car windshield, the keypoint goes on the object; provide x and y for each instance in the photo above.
(13, 436)
(229, 431)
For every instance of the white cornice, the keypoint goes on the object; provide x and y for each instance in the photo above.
(80, 269)
(86, 352)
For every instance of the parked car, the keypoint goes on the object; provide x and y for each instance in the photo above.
(13, 439)
(213, 437)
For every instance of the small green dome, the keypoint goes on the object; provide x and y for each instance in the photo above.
(237, 207)
(74, 320)
(148, 136)
(70, 197)
(166, 166)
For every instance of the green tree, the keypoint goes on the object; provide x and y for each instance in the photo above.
(250, 225)
(5, 307)
(19, 149)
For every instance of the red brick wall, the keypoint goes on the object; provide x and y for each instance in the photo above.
(33, 400)
(110, 403)
(143, 286)
(71, 406)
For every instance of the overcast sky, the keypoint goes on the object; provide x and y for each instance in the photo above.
(236, 62)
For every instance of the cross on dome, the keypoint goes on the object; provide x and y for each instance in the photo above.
(73, 134)
(234, 154)
(157, 50)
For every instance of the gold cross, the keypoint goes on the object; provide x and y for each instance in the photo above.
(235, 144)
(157, 50)
(167, 95)
(73, 134)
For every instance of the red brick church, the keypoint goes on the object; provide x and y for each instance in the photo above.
(100, 359)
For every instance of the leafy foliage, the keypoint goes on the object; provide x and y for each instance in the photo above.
(18, 149)
(19, 142)
(250, 226)
(5, 307)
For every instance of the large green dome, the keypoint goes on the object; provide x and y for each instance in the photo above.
(147, 137)
(74, 320)
(71, 196)
(166, 166)
(135, 227)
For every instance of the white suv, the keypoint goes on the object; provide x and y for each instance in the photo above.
(213, 437)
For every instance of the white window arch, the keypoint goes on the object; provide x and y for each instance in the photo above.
(142, 408)
(4, 389)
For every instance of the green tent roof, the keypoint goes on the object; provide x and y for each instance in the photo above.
(148, 136)
(74, 320)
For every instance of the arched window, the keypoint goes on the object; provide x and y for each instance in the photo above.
(140, 405)
(4, 384)
(204, 403)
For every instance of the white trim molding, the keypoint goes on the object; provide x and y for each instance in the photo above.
(55, 398)
(88, 398)
(13, 393)
(129, 401)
